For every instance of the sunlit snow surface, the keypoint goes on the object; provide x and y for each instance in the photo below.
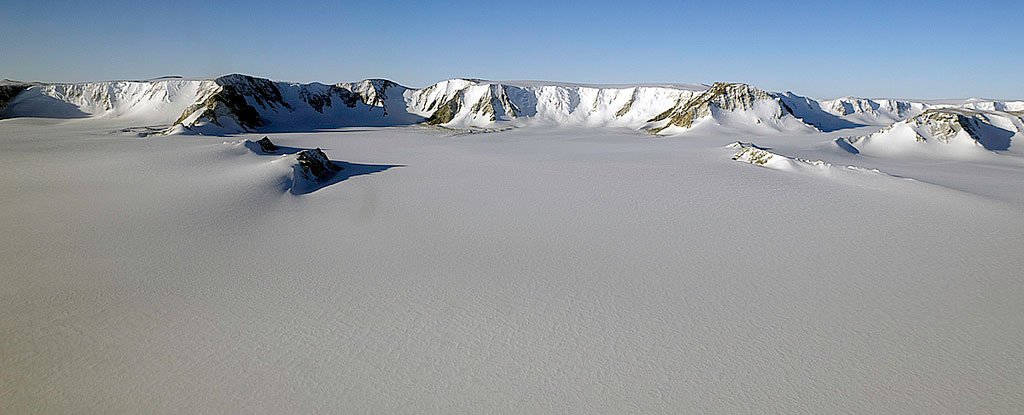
(522, 271)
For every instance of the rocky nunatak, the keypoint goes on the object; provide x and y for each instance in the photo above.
(315, 166)
(312, 167)
(266, 145)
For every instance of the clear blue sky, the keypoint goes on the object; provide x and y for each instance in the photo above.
(936, 49)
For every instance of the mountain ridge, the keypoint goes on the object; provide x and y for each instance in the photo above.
(236, 103)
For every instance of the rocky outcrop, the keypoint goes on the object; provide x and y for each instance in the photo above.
(314, 166)
(230, 99)
(722, 96)
(446, 111)
(266, 145)
(628, 106)
(945, 124)
(322, 98)
(311, 169)
(989, 129)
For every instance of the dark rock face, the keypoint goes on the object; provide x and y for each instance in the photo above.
(266, 145)
(319, 100)
(945, 123)
(264, 91)
(446, 112)
(9, 91)
(230, 101)
(315, 166)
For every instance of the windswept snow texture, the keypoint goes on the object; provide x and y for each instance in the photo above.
(566, 261)
(948, 133)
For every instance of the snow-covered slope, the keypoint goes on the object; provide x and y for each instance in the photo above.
(947, 132)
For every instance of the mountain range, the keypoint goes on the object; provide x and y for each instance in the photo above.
(240, 103)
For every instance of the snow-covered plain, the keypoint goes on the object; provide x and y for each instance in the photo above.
(532, 270)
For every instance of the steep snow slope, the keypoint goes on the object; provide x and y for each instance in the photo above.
(947, 132)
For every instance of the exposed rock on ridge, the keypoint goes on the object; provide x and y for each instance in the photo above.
(721, 95)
